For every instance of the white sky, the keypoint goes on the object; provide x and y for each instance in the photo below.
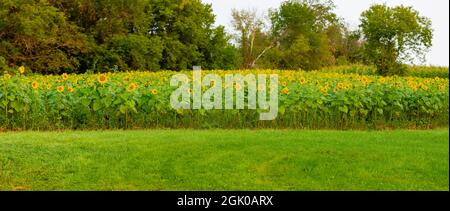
(350, 10)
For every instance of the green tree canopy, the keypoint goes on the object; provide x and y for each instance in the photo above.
(101, 35)
(36, 34)
(188, 33)
(301, 29)
(394, 35)
(54, 36)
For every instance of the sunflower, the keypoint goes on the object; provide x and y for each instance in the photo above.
(65, 76)
(102, 79)
(302, 81)
(35, 85)
(6, 76)
(284, 84)
(21, 69)
(324, 89)
(424, 87)
(341, 85)
(285, 91)
(349, 86)
(70, 89)
(132, 87)
(154, 92)
(60, 89)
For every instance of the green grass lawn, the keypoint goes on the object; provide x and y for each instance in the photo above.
(225, 160)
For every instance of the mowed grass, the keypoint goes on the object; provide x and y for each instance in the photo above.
(225, 160)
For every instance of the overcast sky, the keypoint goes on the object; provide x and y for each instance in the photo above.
(350, 10)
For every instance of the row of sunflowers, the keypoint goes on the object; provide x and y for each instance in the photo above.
(136, 100)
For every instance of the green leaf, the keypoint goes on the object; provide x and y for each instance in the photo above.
(17, 106)
(343, 109)
(123, 109)
(117, 101)
(107, 101)
(380, 111)
(180, 111)
(97, 106)
(85, 102)
(282, 110)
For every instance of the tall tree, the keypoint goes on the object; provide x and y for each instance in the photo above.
(35, 34)
(187, 30)
(345, 45)
(220, 53)
(104, 35)
(301, 27)
(118, 33)
(253, 40)
(394, 35)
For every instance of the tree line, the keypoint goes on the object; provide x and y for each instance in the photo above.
(54, 36)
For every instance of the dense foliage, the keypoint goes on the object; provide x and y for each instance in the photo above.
(55, 36)
(393, 35)
(310, 35)
(79, 36)
(300, 34)
(142, 100)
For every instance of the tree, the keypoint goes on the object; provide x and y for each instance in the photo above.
(301, 29)
(187, 31)
(37, 35)
(220, 53)
(102, 19)
(54, 36)
(345, 45)
(253, 41)
(118, 32)
(136, 52)
(394, 35)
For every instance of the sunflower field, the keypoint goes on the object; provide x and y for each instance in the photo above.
(139, 100)
(413, 71)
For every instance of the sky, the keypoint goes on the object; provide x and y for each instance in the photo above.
(350, 11)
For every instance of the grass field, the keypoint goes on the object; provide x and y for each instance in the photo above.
(225, 160)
